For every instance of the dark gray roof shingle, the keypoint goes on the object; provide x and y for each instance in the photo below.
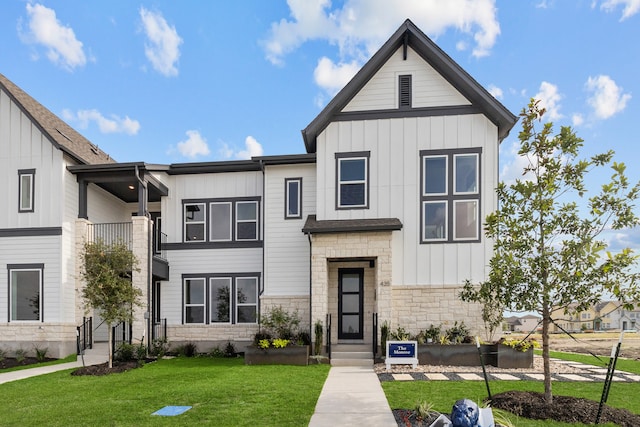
(313, 226)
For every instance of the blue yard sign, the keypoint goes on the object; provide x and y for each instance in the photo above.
(402, 353)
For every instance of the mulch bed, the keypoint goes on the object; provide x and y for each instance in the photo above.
(10, 362)
(103, 368)
(528, 404)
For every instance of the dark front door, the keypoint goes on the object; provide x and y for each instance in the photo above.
(350, 286)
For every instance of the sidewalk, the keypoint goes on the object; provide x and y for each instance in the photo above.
(95, 356)
(352, 396)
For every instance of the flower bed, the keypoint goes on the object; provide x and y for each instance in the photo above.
(291, 355)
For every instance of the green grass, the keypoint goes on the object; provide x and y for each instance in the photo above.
(442, 394)
(626, 365)
(68, 359)
(223, 392)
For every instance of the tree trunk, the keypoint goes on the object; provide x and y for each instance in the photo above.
(546, 320)
(110, 344)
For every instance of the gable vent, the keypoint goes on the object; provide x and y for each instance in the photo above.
(405, 91)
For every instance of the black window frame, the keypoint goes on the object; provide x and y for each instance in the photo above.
(233, 297)
(450, 198)
(32, 189)
(25, 267)
(287, 193)
(346, 156)
(234, 239)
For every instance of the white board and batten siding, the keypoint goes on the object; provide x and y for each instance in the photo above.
(286, 247)
(23, 146)
(430, 89)
(204, 261)
(394, 188)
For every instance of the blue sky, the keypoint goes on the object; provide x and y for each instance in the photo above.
(168, 82)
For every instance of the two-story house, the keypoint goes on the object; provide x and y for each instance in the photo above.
(380, 220)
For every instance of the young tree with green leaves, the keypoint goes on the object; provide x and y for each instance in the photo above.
(549, 251)
(107, 272)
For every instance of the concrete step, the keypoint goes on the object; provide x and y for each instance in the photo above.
(350, 347)
(351, 355)
(351, 362)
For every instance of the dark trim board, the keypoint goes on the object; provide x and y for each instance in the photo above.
(455, 110)
(213, 245)
(31, 232)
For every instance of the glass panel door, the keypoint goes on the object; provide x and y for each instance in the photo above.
(350, 303)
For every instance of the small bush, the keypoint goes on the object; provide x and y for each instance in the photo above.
(21, 354)
(264, 344)
(280, 343)
(280, 323)
(3, 354)
(41, 354)
(229, 350)
(216, 352)
(399, 334)
(187, 350)
(319, 332)
(261, 336)
(458, 333)
(159, 347)
(124, 352)
(303, 338)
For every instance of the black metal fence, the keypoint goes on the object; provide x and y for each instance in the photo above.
(84, 335)
(159, 331)
(375, 334)
(121, 333)
(329, 335)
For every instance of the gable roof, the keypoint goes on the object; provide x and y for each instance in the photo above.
(410, 35)
(61, 135)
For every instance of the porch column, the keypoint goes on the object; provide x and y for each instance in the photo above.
(81, 226)
(141, 247)
(319, 286)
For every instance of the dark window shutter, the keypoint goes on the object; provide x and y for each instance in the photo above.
(405, 91)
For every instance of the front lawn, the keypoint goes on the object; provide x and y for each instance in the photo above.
(222, 392)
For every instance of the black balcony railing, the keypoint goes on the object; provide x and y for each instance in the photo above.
(160, 239)
(111, 233)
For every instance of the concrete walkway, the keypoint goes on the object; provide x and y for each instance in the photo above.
(95, 356)
(352, 396)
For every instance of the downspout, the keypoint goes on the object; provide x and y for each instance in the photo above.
(310, 286)
(142, 210)
(261, 163)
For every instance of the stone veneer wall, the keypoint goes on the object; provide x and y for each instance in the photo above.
(208, 337)
(58, 338)
(340, 246)
(416, 308)
(141, 238)
(290, 303)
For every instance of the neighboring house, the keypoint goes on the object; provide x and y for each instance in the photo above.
(604, 316)
(380, 219)
(526, 324)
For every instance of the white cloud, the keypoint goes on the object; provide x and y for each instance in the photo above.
(577, 119)
(252, 149)
(495, 91)
(550, 100)
(332, 77)
(163, 43)
(359, 27)
(112, 124)
(607, 98)
(631, 7)
(63, 48)
(195, 145)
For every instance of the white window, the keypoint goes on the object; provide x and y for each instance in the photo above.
(227, 299)
(25, 289)
(194, 222)
(26, 190)
(352, 189)
(220, 297)
(450, 195)
(293, 198)
(247, 220)
(220, 221)
(194, 300)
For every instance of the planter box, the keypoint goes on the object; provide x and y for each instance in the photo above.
(510, 358)
(294, 355)
(452, 355)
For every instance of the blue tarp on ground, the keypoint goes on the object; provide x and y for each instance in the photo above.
(170, 411)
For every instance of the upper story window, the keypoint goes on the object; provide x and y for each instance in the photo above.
(293, 198)
(26, 190)
(450, 194)
(218, 220)
(25, 292)
(352, 180)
